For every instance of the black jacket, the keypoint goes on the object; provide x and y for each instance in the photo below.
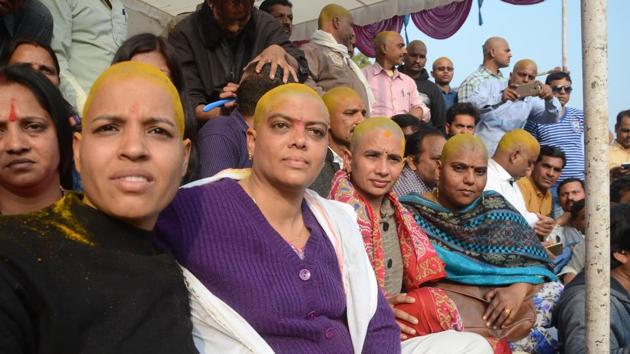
(436, 104)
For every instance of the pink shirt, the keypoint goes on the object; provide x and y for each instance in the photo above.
(394, 95)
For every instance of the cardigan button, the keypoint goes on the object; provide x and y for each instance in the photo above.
(330, 332)
(305, 274)
(311, 315)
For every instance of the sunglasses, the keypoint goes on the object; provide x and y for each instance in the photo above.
(559, 88)
(445, 68)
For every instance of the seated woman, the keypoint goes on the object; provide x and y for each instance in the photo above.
(484, 241)
(35, 142)
(286, 264)
(150, 49)
(401, 254)
(82, 275)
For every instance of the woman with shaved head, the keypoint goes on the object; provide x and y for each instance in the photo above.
(400, 253)
(485, 241)
(285, 267)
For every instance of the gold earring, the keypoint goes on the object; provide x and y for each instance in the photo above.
(250, 156)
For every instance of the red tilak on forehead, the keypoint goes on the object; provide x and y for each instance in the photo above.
(12, 115)
(135, 108)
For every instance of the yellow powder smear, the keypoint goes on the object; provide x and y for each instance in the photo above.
(70, 228)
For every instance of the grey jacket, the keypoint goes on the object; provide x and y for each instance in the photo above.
(569, 317)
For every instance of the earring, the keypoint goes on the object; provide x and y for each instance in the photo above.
(250, 156)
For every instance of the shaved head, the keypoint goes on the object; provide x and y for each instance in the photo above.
(463, 142)
(329, 12)
(442, 61)
(525, 63)
(334, 96)
(417, 44)
(386, 125)
(518, 139)
(129, 70)
(382, 38)
(283, 92)
(492, 43)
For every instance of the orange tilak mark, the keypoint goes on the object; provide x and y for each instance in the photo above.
(135, 109)
(12, 114)
(387, 134)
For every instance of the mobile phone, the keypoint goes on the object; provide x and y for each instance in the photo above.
(555, 249)
(529, 89)
(626, 166)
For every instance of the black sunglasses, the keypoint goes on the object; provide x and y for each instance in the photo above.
(560, 88)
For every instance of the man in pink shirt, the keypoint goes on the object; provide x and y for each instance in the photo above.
(394, 92)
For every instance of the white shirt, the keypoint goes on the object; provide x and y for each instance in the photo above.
(500, 181)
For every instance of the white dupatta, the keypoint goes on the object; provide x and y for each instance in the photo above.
(217, 328)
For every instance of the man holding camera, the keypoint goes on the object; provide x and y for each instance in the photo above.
(505, 106)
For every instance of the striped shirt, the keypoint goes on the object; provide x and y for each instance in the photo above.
(568, 135)
(409, 182)
(469, 85)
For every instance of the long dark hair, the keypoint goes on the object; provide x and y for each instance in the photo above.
(51, 100)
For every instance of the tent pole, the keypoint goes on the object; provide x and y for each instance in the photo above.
(595, 82)
(564, 36)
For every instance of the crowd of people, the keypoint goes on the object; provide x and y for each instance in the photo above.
(220, 189)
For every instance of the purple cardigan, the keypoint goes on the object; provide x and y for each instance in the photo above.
(297, 306)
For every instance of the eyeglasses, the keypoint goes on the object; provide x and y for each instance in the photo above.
(445, 68)
(560, 88)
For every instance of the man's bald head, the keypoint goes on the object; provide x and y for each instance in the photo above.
(382, 38)
(281, 93)
(333, 97)
(518, 139)
(329, 12)
(388, 127)
(496, 53)
(463, 142)
(525, 63)
(417, 44)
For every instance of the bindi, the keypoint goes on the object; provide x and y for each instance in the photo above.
(387, 134)
(12, 114)
(135, 109)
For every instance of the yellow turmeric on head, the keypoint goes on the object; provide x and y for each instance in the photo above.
(329, 12)
(130, 70)
(463, 142)
(386, 125)
(278, 93)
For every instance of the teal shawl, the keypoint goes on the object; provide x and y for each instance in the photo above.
(487, 243)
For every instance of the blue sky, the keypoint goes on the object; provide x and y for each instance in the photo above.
(534, 31)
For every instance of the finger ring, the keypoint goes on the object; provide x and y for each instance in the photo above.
(507, 311)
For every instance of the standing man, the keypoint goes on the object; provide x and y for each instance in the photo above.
(568, 133)
(23, 19)
(619, 151)
(346, 110)
(496, 55)
(215, 43)
(414, 63)
(329, 61)
(502, 109)
(394, 91)
(281, 10)
(443, 71)
(536, 188)
(87, 34)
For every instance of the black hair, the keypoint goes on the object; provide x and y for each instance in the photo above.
(51, 100)
(559, 75)
(618, 187)
(147, 43)
(569, 180)
(413, 144)
(462, 108)
(255, 85)
(576, 208)
(552, 151)
(621, 116)
(619, 231)
(267, 4)
(16, 42)
(407, 120)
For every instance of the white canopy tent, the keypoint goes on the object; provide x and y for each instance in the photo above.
(149, 15)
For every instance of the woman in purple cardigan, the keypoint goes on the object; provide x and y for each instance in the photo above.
(286, 269)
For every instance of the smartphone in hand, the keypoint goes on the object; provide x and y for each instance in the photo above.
(529, 89)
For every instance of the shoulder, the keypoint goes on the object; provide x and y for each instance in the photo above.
(217, 126)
